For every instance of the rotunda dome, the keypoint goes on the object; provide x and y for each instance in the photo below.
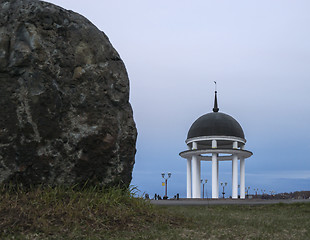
(215, 124)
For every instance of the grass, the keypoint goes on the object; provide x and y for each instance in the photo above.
(74, 213)
(93, 213)
(278, 221)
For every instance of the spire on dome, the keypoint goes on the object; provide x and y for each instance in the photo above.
(215, 109)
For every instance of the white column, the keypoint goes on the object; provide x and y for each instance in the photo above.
(242, 178)
(199, 171)
(189, 178)
(199, 166)
(195, 177)
(235, 177)
(215, 182)
(195, 174)
(214, 144)
(214, 176)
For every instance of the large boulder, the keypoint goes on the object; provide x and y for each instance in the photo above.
(64, 95)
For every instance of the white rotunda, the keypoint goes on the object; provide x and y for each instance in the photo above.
(215, 137)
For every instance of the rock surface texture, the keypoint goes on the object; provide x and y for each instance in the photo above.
(64, 96)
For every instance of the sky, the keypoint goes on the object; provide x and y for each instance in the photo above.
(257, 51)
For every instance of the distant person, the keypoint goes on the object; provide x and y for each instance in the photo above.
(155, 197)
(147, 196)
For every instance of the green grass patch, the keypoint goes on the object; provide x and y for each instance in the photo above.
(115, 213)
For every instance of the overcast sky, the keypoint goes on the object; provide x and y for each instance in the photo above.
(258, 52)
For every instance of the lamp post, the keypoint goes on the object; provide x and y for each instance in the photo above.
(203, 187)
(166, 182)
(263, 192)
(247, 192)
(224, 185)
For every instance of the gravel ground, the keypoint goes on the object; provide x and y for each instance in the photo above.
(199, 202)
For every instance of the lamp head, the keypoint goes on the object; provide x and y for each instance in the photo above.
(169, 174)
(163, 175)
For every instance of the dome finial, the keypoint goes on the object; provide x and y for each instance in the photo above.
(215, 109)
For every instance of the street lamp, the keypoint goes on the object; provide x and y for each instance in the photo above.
(224, 185)
(247, 192)
(263, 192)
(203, 187)
(255, 189)
(166, 182)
